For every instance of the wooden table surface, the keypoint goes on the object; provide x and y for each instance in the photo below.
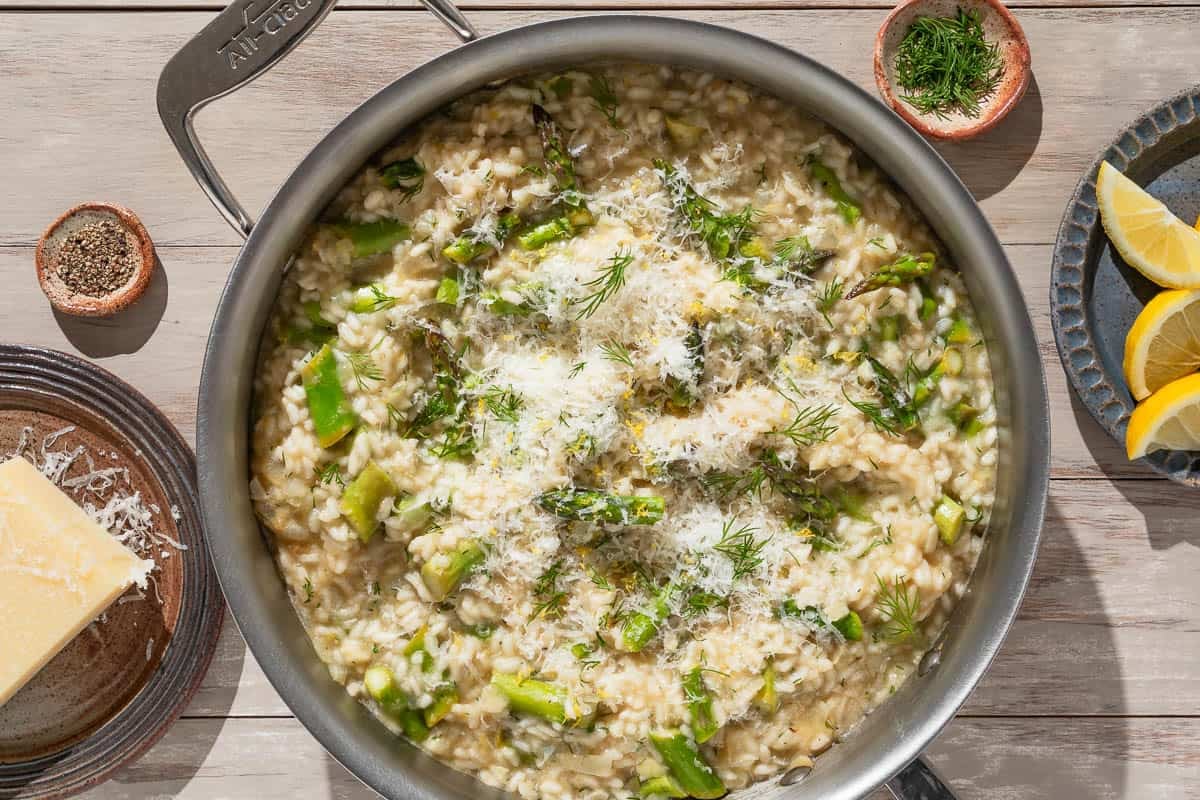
(1096, 693)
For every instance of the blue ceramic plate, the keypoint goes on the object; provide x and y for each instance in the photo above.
(1094, 295)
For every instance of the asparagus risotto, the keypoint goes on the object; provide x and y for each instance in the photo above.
(621, 431)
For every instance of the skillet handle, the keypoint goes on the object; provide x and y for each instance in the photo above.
(241, 43)
(918, 781)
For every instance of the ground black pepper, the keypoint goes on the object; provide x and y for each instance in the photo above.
(97, 259)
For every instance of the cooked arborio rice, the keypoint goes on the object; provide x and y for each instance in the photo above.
(825, 464)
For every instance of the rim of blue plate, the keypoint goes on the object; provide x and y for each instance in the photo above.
(1077, 250)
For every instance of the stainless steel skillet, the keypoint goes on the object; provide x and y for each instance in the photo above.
(252, 35)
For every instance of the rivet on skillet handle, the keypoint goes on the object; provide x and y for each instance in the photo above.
(244, 41)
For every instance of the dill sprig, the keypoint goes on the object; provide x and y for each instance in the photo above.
(407, 175)
(741, 548)
(331, 473)
(729, 484)
(899, 609)
(798, 255)
(897, 413)
(604, 285)
(828, 297)
(810, 425)
(545, 589)
(365, 369)
(504, 404)
(395, 417)
(605, 98)
(721, 233)
(615, 351)
(946, 64)
(699, 602)
(576, 369)
(380, 300)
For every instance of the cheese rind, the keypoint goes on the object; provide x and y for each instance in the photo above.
(59, 570)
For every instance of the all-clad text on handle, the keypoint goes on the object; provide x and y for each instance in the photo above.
(241, 43)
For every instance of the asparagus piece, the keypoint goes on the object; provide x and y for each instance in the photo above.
(905, 270)
(445, 571)
(949, 516)
(591, 505)
(686, 765)
(331, 413)
(468, 247)
(965, 417)
(416, 646)
(444, 698)
(662, 786)
(540, 699)
(847, 206)
(683, 134)
(541, 235)
(447, 292)
(850, 626)
(960, 332)
(313, 328)
(381, 685)
(505, 308)
(411, 516)
(640, 626)
(372, 238)
(951, 363)
(722, 233)
(363, 497)
(767, 699)
(929, 303)
(700, 705)
(889, 328)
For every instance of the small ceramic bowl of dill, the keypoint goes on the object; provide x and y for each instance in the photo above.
(951, 69)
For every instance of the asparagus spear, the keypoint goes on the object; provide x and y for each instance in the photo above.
(849, 625)
(959, 332)
(313, 328)
(847, 206)
(592, 505)
(363, 497)
(640, 626)
(949, 516)
(445, 571)
(331, 413)
(700, 705)
(444, 698)
(448, 291)
(381, 685)
(686, 765)
(905, 270)
(722, 233)
(951, 363)
(965, 417)
(372, 238)
(540, 699)
(661, 786)
(767, 699)
(416, 646)
(468, 247)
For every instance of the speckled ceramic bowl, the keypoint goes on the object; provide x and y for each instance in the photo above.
(999, 26)
(1094, 295)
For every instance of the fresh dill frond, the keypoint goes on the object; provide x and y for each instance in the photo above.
(721, 233)
(615, 351)
(599, 580)
(578, 368)
(504, 404)
(395, 417)
(442, 402)
(550, 598)
(730, 484)
(829, 296)
(741, 548)
(878, 541)
(899, 609)
(365, 369)
(407, 175)
(331, 473)
(946, 64)
(380, 300)
(897, 414)
(605, 98)
(458, 442)
(308, 590)
(810, 426)
(604, 285)
(700, 602)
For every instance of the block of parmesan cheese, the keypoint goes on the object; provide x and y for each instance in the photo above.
(59, 570)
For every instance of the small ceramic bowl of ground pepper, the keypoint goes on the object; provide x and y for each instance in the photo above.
(952, 70)
(95, 260)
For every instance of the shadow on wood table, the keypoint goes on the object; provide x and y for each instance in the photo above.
(123, 332)
(989, 162)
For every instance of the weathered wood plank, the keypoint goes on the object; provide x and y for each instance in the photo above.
(476, 7)
(982, 759)
(75, 116)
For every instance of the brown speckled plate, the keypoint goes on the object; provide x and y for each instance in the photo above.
(116, 688)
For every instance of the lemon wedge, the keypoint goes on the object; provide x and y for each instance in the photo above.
(1147, 235)
(1164, 343)
(1169, 419)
